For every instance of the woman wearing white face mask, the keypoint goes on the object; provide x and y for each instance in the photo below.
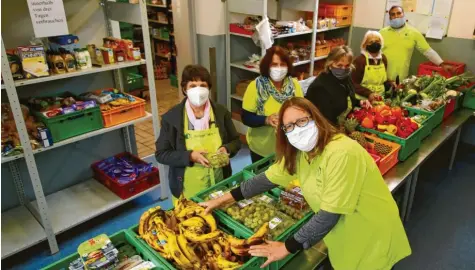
(263, 99)
(191, 129)
(355, 214)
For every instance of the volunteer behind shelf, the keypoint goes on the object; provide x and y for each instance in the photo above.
(369, 77)
(264, 97)
(332, 92)
(400, 39)
(356, 215)
(191, 129)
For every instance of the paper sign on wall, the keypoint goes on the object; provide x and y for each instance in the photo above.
(48, 17)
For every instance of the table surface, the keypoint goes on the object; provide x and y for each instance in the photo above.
(311, 258)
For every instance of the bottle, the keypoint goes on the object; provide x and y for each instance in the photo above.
(69, 60)
(59, 66)
(88, 58)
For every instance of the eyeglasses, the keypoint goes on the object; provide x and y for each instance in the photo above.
(302, 122)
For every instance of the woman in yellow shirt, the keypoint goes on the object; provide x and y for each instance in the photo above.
(355, 213)
(264, 97)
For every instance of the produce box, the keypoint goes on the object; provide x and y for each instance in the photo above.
(133, 81)
(65, 126)
(144, 179)
(408, 145)
(426, 126)
(260, 166)
(125, 113)
(435, 120)
(334, 10)
(469, 97)
(390, 160)
(428, 68)
(173, 80)
(118, 239)
(449, 107)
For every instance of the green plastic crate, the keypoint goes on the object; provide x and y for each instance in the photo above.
(253, 264)
(133, 81)
(173, 80)
(469, 98)
(69, 125)
(408, 145)
(117, 238)
(434, 121)
(260, 166)
(426, 128)
(459, 101)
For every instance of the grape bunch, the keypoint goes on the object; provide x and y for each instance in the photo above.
(291, 211)
(257, 213)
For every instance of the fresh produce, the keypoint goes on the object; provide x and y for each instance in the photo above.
(217, 160)
(190, 239)
(383, 118)
(255, 212)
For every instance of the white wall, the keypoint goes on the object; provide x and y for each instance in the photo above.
(370, 14)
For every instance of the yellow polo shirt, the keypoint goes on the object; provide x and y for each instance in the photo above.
(261, 140)
(344, 179)
(398, 47)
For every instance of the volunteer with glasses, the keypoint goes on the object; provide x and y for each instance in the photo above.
(355, 213)
(190, 130)
(332, 92)
(369, 77)
(400, 39)
(264, 97)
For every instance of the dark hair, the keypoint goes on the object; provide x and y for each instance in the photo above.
(266, 61)
(396, 6)
(284, 150)
(194, 73)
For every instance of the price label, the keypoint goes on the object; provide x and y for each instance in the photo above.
(274, 222)
(297, 190)
(245, 203)
(266, 199)
(216, 194)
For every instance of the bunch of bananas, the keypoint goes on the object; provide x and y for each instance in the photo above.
(190, 239)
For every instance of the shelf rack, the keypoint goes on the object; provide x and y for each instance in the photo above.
(46, 216)
(235, 64)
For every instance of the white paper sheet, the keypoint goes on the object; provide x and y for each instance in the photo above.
(442, 8)
(424, 6)
(391, 3)
(409, 5)
(437, 27)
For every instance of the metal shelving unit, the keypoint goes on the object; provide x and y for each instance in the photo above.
(46, 216)
(244, 47)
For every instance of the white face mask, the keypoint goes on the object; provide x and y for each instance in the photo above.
(304, 138)
(277, 74)
(198, 95)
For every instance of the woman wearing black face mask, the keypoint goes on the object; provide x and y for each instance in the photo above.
(332, 92)
(369, 77)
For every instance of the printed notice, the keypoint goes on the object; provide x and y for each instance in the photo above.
(437, 28)
(48, 17)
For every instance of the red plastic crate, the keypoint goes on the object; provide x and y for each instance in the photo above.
(124, 191)
(449, 107)
(236, 28)
(427, 68)
(390, 160)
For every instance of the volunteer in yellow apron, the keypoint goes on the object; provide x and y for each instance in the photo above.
(264, 97)
(191, 132)
(355, 213)
(369, 77)
(400, 40)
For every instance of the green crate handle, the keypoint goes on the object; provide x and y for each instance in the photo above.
(76, 117)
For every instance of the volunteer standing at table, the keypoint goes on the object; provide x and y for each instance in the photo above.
(369, 77)
(400, 39)
(355, 213)
(264, 97)
(332, 92)
(191, 129)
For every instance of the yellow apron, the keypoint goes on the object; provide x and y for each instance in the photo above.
(374, 78)
(369, 233)
(198, 177)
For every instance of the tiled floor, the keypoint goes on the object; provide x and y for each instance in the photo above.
(167, 97)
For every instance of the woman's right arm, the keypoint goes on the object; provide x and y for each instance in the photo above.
(166, 149)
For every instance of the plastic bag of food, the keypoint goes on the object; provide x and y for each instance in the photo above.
(217, 160)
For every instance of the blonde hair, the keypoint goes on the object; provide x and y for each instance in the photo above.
(336, 54)
(371, 34)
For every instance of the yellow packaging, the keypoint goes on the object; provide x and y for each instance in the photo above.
(33, 60)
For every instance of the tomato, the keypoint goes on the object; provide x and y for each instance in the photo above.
(367, 123)
(396, 111)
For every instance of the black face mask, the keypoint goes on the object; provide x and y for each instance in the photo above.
(374, 47)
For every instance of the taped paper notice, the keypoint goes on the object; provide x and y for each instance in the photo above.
(424, 6)
(48, 18)
(437, 28)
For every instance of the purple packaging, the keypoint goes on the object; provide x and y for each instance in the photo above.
(67, 110)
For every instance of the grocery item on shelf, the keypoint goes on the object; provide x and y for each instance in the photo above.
(10, 139)
(65, 42)
(15, 65)
(126, 174)
(188, 239)
(33, 61)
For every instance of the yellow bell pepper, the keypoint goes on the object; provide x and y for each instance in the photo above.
(392, 129)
